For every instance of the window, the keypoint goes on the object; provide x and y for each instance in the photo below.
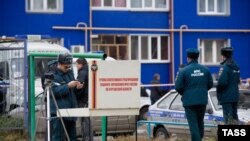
(213, 7)
(109, 3)
(149, 48)
(134, 47)
(149, 4)
(4, 71)
(136, 4)
(177, 104)
(210, 51)
(17, 68)
(164, 104)
(115, 46)
(142, 5)
(41, 6)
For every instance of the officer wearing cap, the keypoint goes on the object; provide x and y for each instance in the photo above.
(193, 83)
(227, 88)
(63, 90)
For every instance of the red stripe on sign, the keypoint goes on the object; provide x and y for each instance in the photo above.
(94, 87)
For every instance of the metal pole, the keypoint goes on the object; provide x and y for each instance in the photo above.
(77, 55)
(181, 42)
(86, 34)
(25, 117)
(104, 128)
(136, 133)
(32, 98)
(152, 29)
(48, 112)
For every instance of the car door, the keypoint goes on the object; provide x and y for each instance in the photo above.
(115, 124)
(178, 117)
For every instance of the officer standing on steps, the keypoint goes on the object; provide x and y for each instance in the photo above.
(193, 83)
(227, 88)
(63, 88)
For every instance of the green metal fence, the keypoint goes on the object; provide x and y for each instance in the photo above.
(32, 113)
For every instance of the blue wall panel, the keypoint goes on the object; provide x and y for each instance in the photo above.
(17, 21)
(130, 19)
(240, 42)
(149, 69)
(186, 13)
(1, 17)
(14, 20)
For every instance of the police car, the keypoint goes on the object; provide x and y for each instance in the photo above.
(167, 115)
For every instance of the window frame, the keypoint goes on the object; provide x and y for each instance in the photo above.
(58, 10)
(150, 36)
(108, 46)
(129, 7)
(215, 12)
(201, 45)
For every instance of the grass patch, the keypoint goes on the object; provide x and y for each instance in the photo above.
(13, 136)
(8, 122)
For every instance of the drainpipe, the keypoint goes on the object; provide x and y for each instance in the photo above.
(182, 27)
(171, 22)
(90, 24)
(154, 29)
(82, 24)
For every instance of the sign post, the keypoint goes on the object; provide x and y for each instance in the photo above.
(114, 90)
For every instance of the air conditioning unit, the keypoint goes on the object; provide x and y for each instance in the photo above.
(34, 37)
(77, 49)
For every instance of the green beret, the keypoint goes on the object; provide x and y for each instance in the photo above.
(192, 53)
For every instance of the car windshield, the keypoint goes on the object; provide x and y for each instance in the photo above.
(244, 100)
(17, 67)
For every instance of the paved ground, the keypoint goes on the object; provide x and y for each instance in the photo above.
(142, 136)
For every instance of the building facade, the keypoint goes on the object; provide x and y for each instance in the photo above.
(155, 32)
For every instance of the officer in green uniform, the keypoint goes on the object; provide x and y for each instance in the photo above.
(193, 83)
(63, 88)
(227, 88)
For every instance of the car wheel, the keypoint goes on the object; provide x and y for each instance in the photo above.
(143, 113)
(161, 133)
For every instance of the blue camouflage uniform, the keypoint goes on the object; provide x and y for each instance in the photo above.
(65, 98)
(227, 88)
(193, 83)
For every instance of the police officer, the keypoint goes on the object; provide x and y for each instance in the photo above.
(63, 85)
(82, 97)
(193, 83)
(227, 88)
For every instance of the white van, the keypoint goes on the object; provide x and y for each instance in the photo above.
(12, 70)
